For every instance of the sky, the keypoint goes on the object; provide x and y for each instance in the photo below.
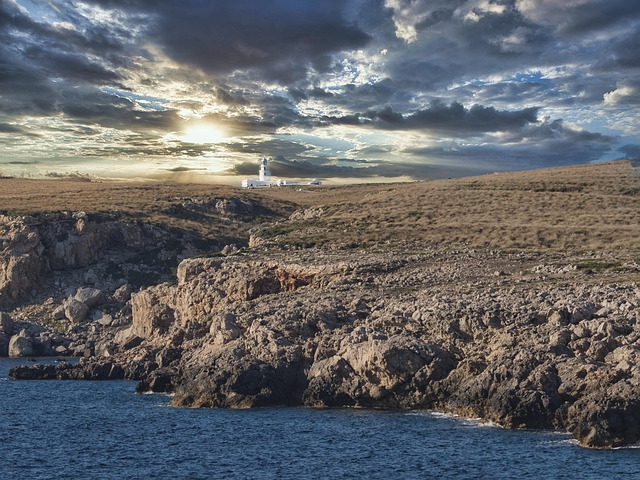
(343, 90)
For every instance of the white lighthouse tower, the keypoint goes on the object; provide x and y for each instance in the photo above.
(265, 171)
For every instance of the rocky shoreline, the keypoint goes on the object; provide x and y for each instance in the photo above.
(522, 340)
(524, 311)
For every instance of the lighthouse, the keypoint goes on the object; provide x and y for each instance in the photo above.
(264, 178)
(265, 171)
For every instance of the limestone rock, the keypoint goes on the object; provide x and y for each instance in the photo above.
(76, 311)
(59, 313)
(224, 328)
(123, 293)
(228, 206)
(89, 296)
(306, 214)
(378, 329)
(159, 381)
(103, 319)
(21, 345)
(151, 316)
(21, 262)
(229, 249)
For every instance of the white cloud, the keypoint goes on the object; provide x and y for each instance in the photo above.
(547, 11)
(474, 10)
(622, 95)
(406, 15)
(515, 42)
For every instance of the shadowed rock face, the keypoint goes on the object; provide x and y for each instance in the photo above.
(525, 349)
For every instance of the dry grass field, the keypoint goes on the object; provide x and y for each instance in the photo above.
(592, 207)
(176, 206)
(583, 208)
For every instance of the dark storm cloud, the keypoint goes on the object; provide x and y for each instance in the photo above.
(282, 38)
(274, 147)
(363, 169)
(572, 17)
(452, 48)
(47, 70)
(16, 129)
(440, 117)
(42, 64)
(631, 152)
(622, 52)
(533, 146)
(185, 169)
(86, 51)
(482, 74)
(96, 107)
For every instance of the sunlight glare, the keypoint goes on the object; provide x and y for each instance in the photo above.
(202, 133)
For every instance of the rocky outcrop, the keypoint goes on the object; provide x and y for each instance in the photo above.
(6, 323)
(525, 349)
(32, 248)
(103, 370)
(21, 259)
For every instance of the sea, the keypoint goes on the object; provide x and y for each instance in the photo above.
(103, 430)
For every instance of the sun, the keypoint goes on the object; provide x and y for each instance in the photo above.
(202, 133)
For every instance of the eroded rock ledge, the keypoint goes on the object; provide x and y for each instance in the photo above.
(519, 339)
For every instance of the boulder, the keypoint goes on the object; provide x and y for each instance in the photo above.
(103, 319)
(21, 345)
(76, 311)
(89, 296)
(59, 313)
(123, 293)
(158, 381)
(42, 345)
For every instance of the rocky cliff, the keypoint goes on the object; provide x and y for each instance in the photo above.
(364, 297)
(501, 337)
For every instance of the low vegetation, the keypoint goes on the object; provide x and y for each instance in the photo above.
(579, 208)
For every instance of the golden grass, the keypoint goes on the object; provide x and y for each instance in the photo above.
(160, 204)
(592, 207)
(586, 207)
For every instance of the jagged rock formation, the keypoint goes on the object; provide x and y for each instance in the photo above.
(391, 308)
(434, 330)
(21, 260)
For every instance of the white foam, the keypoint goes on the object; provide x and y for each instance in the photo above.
(471, 422)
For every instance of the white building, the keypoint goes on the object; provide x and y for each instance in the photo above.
(264, 178)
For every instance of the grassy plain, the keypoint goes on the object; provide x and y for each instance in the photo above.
(593, 207)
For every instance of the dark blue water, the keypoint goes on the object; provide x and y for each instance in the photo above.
(102, 430)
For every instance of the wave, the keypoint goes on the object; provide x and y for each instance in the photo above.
(471, 422)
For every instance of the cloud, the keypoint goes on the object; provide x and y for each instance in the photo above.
(281, 38)
(474, 84)
(346, 168)
(573, 17)
(453, 118)
(631, 152)
(623, 95)
(16, 129)
(185, 169)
